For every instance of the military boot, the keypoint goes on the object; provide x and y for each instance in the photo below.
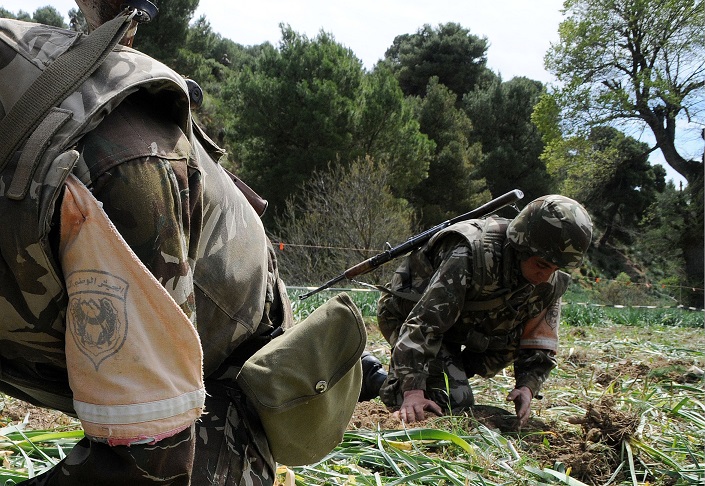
(373, 376)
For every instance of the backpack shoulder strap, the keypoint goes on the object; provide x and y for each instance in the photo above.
(56, 82)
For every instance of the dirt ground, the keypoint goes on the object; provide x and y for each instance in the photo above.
(592, 453)
(590, 444)
(15, 412)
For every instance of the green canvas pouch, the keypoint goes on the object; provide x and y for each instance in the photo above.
(305, 383)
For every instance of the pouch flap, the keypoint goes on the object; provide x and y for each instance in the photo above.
(308, 359)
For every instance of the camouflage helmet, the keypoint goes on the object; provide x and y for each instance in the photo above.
(555, 228)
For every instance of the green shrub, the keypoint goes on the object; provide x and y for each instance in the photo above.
(365, 301)
(582, 314)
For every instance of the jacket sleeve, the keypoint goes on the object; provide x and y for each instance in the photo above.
(142, 199)
(438, 309)
(532, 368)
(537, 349)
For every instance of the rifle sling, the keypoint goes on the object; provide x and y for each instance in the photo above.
(33, 151)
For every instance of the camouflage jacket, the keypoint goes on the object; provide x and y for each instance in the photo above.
(469, 293)
(158, 182)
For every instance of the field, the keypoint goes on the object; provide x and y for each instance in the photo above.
(626, 406)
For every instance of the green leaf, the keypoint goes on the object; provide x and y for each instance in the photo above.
(431, 434)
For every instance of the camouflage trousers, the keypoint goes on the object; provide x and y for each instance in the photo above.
(447, 383)
(231, 446)
(120, 465)
(230, 450)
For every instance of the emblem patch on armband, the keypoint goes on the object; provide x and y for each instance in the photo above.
(553, 315)
(96, 314)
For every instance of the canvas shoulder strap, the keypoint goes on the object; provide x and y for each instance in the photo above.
(57, 81)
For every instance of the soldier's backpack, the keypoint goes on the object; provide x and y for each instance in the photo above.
(57, 86)
(71, 88)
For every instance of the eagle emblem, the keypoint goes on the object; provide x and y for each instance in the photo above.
(96, 314)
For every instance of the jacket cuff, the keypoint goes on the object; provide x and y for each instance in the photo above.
(533, 385)
(413, 382)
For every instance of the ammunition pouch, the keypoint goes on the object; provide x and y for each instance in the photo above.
(305, 383)
(478, 342)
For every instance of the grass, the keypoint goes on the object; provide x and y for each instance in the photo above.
(626, 406)
(620, 409)
(589, 315)
(366, 301)
(27, 453)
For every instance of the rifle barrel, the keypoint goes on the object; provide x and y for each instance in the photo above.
(494, 205)
(417, 240)
(329, 283)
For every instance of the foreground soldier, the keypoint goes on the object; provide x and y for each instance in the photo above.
(120, 324)
(479, 296)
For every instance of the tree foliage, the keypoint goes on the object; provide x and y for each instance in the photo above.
(77, 21)
(660, 230)
(633, 60)
(43, 15)
(308, 103)
(449, 52)
(295, 111)
(615, 181)
(511, 143)
(452, 186)
(638, 62)
(49, 16)
(214, 62)
(163, 36)
(204, 42)
(388, 130)
(431, 129)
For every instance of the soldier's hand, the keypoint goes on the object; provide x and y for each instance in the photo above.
(415, 405)
(521, 397)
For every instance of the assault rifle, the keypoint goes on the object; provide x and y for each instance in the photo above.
(417, 240)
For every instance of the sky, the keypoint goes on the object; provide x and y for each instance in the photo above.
(519, 31)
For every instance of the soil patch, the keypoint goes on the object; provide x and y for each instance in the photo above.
(17, 412)
(591, 451)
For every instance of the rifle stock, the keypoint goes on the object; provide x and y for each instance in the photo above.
(416, 241)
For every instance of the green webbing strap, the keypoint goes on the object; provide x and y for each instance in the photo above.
(413, 297)
(483, 305)
(33, 151)
(56, 83)
(470, 305)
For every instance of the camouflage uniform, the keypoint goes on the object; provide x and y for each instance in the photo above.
(182, 216)
(466, 316)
